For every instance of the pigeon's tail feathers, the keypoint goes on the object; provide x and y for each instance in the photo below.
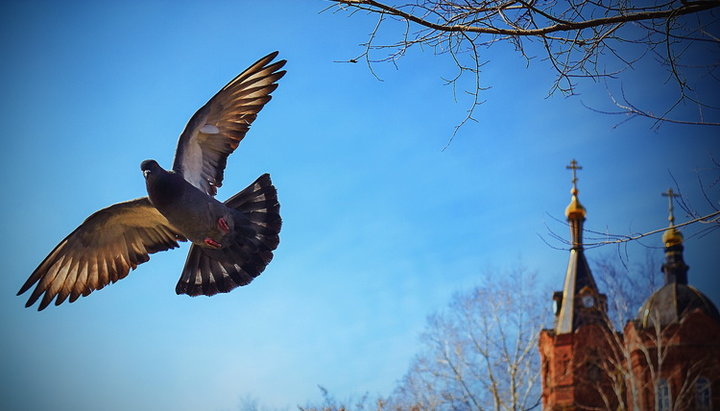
(211, 271)
(259, 203)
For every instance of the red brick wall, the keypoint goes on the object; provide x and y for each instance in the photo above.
(568, 378)
(690, 349)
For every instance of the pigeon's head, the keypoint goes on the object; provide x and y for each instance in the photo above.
(149, 167)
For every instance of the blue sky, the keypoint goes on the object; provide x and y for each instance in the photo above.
(380, 225)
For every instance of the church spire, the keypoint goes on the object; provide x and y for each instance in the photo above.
(674, 266)
(580, 301)
(575, 212)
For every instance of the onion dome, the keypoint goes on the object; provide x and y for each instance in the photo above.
(676, 298)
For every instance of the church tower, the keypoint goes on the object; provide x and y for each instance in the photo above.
(675, 341)
(572, 351)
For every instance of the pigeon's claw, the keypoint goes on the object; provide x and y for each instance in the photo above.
(212, 243)
(223, 225)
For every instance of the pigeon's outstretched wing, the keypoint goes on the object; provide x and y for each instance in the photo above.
(209, 271)
(217, 128)
(101, 250)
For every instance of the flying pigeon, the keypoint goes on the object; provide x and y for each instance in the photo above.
(232, 242)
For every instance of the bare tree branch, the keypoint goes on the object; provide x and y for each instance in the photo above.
(579, 39)
(479, 353)
(609, 238)
(559, 26)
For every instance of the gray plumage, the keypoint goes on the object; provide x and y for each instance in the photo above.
(232, 242)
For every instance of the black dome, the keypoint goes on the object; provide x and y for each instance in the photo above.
(672, 302)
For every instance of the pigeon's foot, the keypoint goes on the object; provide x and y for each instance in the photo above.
(223, 225)
(212, 243)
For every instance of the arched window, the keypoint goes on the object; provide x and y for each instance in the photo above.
(663, 400)
(703, 397)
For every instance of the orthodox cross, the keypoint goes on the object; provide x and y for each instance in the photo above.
(574, 167)
(670, 194)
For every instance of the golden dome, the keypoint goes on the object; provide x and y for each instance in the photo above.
(574, 209)
(672, 237)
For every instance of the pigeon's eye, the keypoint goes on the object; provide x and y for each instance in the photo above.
(146, 173)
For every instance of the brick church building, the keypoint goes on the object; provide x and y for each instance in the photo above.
(667, 358)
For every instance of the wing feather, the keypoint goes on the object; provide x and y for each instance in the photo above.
(215, 130)
(102, 250)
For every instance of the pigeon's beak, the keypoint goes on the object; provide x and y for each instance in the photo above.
(146, 173)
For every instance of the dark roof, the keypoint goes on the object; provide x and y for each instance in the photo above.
(672, 302)
(577, 277)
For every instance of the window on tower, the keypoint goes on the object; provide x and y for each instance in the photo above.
(662, 396)
(703, 398)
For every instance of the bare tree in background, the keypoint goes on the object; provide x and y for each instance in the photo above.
(578, 38)
(480, 353)
(330, 403)
(627, 286)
